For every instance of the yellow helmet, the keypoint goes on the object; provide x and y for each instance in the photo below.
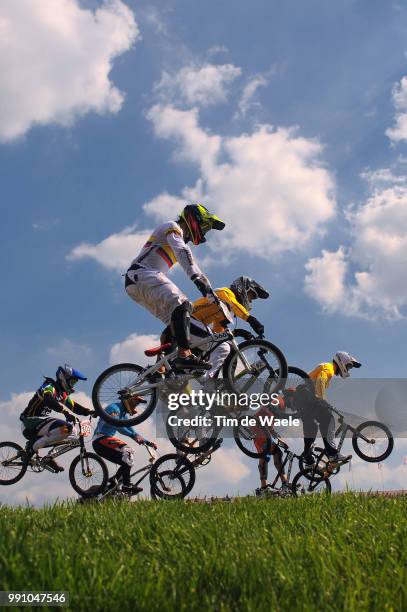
(199, 221)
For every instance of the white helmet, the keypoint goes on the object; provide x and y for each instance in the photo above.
(345, 362)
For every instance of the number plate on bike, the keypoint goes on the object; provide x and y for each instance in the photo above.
(86, 429)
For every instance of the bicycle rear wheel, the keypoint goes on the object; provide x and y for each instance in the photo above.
(107, 390)
(13, 463)
(378, 445)
(252, 439)
(302, 485)
(172, 467)
(267, 367)
(88, 474)
(295, 378)
(192, 439)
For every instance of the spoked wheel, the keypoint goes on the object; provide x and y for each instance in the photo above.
(168, 485)
(373, 441)
(172, 468)
(322, 465)
(266, 366)
(13, 463)
(295, 378)
(302, 485)
(252, 439)
(108, 389)
(192, 439)
(88, 474)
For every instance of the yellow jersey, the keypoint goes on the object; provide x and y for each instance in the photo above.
(321, 377)
(209, 312)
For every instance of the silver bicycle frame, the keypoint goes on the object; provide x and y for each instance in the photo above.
(140, 387)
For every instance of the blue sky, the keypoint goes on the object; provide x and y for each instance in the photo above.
(95, 141)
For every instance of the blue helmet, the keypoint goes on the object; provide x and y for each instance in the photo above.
(67, 377)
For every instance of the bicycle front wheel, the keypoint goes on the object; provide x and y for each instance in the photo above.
(88, 474)
(303, 485)
(172, 468)
(13, 463)
(376, 444)
(168, 486)
(252, 437)
(261, 365)
(108, 390)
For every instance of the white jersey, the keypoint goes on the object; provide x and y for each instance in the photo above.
(165, 248)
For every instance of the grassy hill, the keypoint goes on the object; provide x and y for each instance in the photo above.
(340, 553)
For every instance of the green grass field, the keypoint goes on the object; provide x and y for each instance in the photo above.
(346, 552)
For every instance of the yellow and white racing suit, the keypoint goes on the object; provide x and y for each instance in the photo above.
(147, 282)
(321, 376)
(209, 313)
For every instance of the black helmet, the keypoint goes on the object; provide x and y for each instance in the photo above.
(241, 287)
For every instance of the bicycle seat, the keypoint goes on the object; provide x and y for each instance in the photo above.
(157, 349)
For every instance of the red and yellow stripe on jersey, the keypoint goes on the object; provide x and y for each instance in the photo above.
(163, 250)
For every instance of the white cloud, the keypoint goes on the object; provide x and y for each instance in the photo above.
(165, 206)
(381, 177)
(155, 18)
(325, 279)
(69, 352)
(201, 85)
(16, 404)
(369, 276)
(246, 101)
(372, 476)
(399, 130)
(131, 350)
(227, 468)
(271, 180)
(114, 252)
(55, 60)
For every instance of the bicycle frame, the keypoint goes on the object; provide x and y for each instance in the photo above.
(344, 428)
(63, 447)
(141, 387)
(289, 458)
(145, 470)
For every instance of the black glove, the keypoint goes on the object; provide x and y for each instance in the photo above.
(256, 325)
(202, 284)
(69, 417)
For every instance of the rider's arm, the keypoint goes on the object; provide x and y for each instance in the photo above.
(227, 296)
(77, 408)
(321, 377)
(183, 254)
(321, 385)
(49, 399)
(129, 431)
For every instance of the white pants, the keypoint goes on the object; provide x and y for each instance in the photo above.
(53, 431)
(157, 293)
(218, 356)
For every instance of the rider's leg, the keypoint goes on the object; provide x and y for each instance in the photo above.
(326, 425)
(158, 294)
(263, 472)
(310, 428)
(218, 358)
(53, 431)
(180, 324)
(118, 452)
(278, 464)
